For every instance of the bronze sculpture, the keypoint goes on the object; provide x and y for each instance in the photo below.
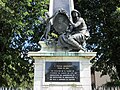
(72, 33)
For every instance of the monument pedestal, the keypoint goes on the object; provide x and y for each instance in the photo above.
(62, 70)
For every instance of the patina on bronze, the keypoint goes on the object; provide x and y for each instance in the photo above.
(72, 34)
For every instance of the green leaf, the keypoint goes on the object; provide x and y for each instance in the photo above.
(30, 32)
(25, 13)
(30, 0)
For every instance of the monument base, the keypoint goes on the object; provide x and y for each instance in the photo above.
(62, 70)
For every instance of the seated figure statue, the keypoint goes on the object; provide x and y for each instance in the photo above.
(72, 34)
(75, 38)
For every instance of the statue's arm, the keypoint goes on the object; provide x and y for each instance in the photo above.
(77, 23)
(53, 15)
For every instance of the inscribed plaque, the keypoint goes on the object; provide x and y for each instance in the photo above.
(62, 72)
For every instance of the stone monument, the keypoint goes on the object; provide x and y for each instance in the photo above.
(63, 63)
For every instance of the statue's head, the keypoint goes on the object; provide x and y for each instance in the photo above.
(75, 13)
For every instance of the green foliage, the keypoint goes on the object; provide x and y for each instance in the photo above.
(20, 22)
(103, 20)
(113, 83)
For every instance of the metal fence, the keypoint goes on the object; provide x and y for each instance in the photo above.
(98, 88)
(15, 88)
(108, 88)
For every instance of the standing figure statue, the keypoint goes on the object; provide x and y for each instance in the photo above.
(75, 38)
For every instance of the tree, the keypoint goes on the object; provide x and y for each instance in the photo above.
(102, 18)
(21, 25)
(20, 29)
